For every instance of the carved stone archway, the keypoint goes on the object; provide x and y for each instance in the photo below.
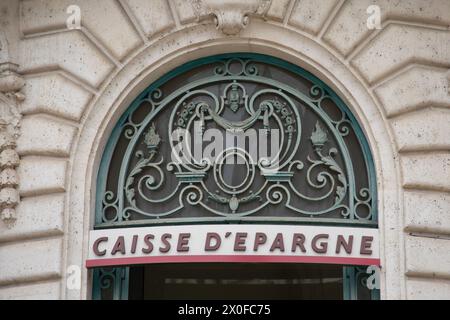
(198, 42)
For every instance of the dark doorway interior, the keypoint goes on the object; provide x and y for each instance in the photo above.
(236, 281)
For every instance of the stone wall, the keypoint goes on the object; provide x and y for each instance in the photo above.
(79, 81)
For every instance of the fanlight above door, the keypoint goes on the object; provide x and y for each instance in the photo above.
(279, 145)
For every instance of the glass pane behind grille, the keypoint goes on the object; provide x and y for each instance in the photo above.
(236, 281)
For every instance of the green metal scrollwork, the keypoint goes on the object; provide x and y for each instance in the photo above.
(110, 283)
(355, 284)
(313, 177)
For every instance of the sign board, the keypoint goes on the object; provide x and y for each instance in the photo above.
(234, 243)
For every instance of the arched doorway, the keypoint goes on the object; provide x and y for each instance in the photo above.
(278, 149)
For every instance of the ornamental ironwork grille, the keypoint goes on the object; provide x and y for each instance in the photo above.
(323, 172)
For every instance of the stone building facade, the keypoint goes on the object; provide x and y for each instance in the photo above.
(63, 87)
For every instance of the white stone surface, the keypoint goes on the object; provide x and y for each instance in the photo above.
(44, 290)
(55, 94)
(349, 28)
(427, 211)
(428, 256)
(154, 17)
(185, 11)
(278, 9)
(40, 216)
(71, 51)
(30, 261)
(42, 175)
(428, 170)
(397, 45)
(46, 15)
(416, 88)
(308, 16)
(44, 135)
(427, 129)
(428, 289)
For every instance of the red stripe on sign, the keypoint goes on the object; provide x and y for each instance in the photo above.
(91, 263)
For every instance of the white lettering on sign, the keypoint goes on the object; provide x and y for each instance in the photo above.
(234, 243)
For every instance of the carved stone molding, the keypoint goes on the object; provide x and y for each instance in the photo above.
(10, 96)
(231, 16)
